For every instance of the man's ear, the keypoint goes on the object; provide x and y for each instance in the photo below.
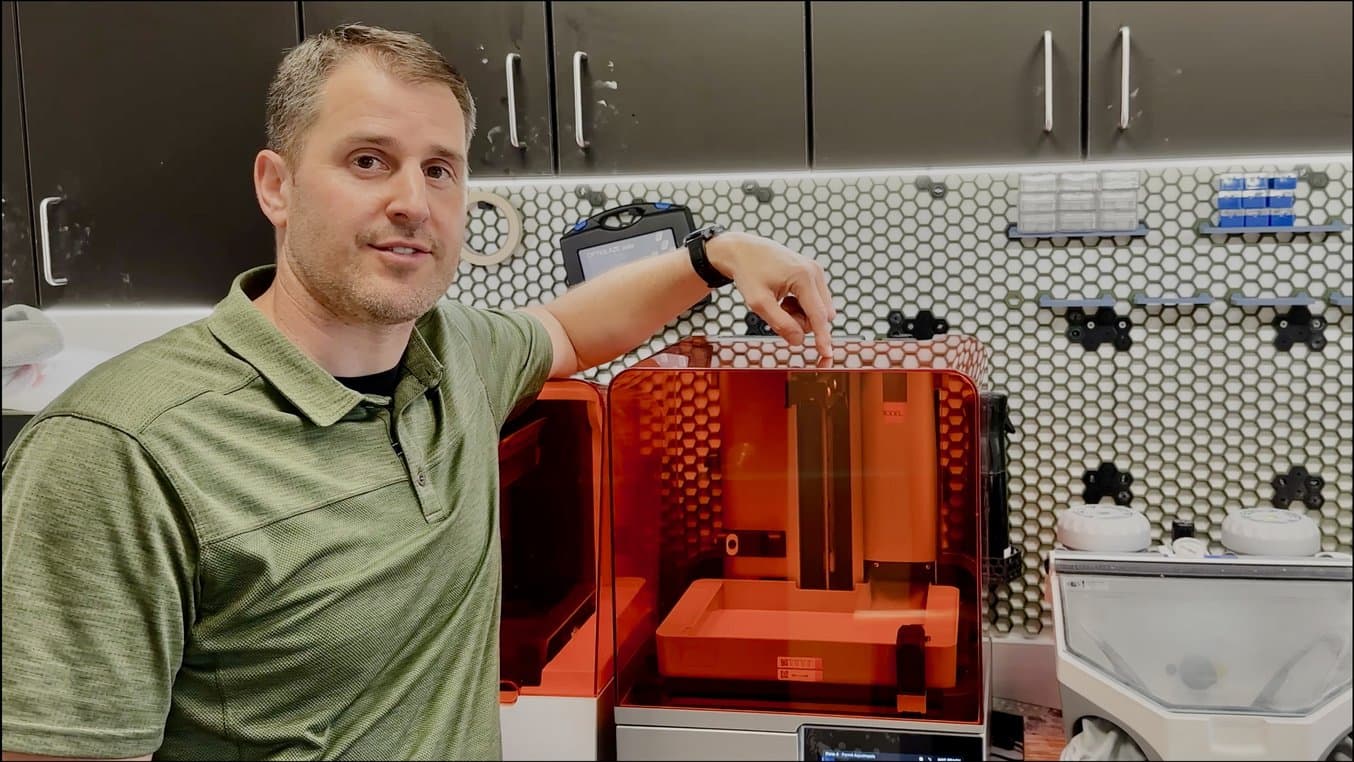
(272, 185)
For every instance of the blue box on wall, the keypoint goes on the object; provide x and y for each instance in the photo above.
(1257, 181)
(1281, 199)
(1281, 218)
(1284, 181)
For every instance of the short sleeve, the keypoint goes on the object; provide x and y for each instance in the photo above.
(98, 591)
(512, 351)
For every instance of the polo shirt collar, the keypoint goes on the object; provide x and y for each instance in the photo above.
(242, 327)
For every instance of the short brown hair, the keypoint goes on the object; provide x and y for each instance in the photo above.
(293, 96)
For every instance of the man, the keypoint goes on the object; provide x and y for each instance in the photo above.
(273, 533)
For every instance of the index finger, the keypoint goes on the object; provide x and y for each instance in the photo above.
(817, 309)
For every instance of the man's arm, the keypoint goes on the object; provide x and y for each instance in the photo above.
(604, 318)
(99, 564)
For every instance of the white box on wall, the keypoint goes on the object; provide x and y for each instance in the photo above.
(1077, 221)
(1039, 222)
(1117, 221)
(1079, 181)
(1119, 201)
(1120, 179)
(1038, 183)
(1076, 201)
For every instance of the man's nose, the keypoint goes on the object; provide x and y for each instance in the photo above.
(408, 205)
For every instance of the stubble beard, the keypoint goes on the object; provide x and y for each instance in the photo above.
(336, 280)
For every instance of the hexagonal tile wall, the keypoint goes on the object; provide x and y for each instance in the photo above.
(1202, 409)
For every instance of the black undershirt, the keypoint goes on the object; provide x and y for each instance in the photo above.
(382, 383)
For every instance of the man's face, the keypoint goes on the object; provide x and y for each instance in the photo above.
(376, 207)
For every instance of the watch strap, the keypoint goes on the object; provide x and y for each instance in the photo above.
(700, 261)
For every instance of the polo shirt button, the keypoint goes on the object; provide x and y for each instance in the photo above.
(422, 478)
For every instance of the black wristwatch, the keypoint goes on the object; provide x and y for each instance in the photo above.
(695, 244)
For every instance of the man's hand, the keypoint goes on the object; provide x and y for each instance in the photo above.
(610, 315)
(789, 291)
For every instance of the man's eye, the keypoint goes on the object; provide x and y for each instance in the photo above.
(367, 161)
(439, 172)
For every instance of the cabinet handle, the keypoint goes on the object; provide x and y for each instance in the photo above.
(579, 58)
(510, 66)
(1048, 81)
(1123, 84)
(45, 233)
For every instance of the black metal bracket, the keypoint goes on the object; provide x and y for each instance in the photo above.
(1299, 326)
(1107, 481)
(758, 191)
(924, 326)
(910, 668)
(935, 188)
(1002, 560)
(1104, 326)
(1298, 485)
(1314, 178)
(756, 326)
(587, 193)
(1006, 568)
(757, 543)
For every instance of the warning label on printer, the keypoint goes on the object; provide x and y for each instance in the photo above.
(801, 668)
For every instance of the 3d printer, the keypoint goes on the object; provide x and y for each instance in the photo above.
(807, 548)
(556, 660)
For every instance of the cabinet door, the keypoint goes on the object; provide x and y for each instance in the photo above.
(1219, 79)
(680, 86)
(911, 84)
(19, 285)
(478, 39)
(144, 120)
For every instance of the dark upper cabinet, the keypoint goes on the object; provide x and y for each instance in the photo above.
(909, 84)
(143, 123)
(487, 43)
(19, 284)
(1219, 79)
(680, 86)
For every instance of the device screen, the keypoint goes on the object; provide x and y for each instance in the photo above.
(598, 259)
(831, 755)
(847, 744)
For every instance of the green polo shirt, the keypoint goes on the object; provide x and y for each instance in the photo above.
(215, 550)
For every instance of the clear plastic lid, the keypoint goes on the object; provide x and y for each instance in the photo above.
(1214, 644)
